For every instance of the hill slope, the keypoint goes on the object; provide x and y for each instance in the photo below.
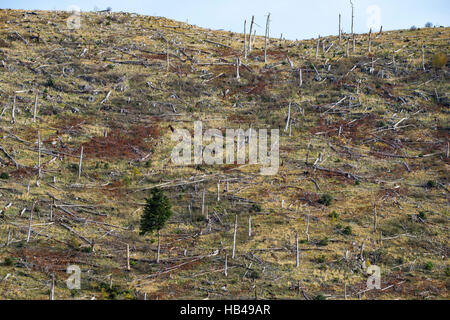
(368, 138)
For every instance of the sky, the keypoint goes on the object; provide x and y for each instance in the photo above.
(295, 19)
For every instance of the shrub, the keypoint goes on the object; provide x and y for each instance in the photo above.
(256, 207)
(439, 60)
(323, 242)
(334, 215)
(156, 212)
(320, 297)
(429, 266)
(413, 28)
(8, 261)
(325, 199)
(428, 25)
(4, 175)
(422, 215)
(431, 184)
(50, 82)
(347, 230)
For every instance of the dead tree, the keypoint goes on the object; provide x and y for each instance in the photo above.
(347, 47)
(39, 155)
(375, 218)
(52, 288)
(353, 17)
(245, 39)
(287, 121)
(297, 256)
(238, 63)
(266, 38)
(13, 111)
(370, 40)
(159, 247)
(300, 78)
(29, 222)
(234, 237)
(225, 269)
(317, 47)
(35, 106)
(249, 226)
(167, 56)
(128, 258)
(250, 35)
(203, 202)
(423, 58)
(218, 191)
(80, 163)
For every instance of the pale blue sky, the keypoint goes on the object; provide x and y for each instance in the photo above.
(296, 19)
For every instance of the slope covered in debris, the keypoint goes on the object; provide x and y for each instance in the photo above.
(363, 176)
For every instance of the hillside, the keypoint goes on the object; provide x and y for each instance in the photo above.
(363, 176)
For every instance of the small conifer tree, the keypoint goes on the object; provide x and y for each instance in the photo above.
(156, 212)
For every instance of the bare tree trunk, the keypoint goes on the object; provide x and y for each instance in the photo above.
(266, 38)
(340, 30)
(300, 78)
(345, 291)
(39, 155)
(167, 56)
(218, 191)
(245, 39)
(297, 257)
(370, 40)
(249, 226)
(375, 218)
(234, 237)
(250, 35)
(29, 223)
(317, 47)
(159, 247)
(238, 63)
(51, 212)
(353, 17)
(381, 30)
(288, 118)
(80, 163)
(128, 258)
(52, 288)
(35, 106)
(423, 58)
(347, 47)
(307, 227)
(226, 266)
(13, 112)
(203, 202)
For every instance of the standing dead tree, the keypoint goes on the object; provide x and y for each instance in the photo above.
(80, 163)
(35, 106)
(250, 35)
(423, 57)
(317, 47)
(245, 39)
(353, 18)
(39, 156)
(13, 112)
(266, 38)
(234, 237)
(297, 255)
(370, 40)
